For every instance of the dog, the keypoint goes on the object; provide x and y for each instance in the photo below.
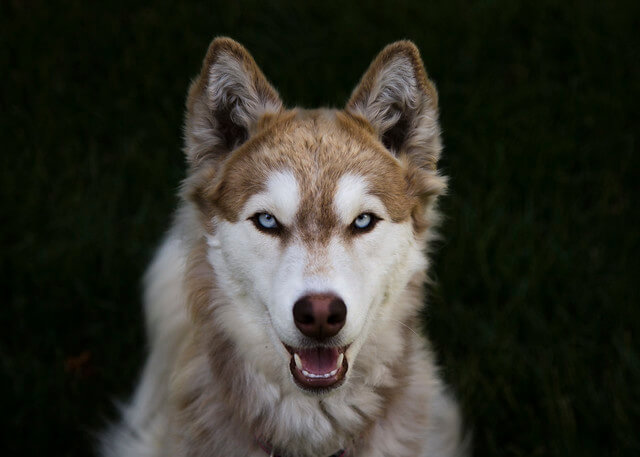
(282, 309)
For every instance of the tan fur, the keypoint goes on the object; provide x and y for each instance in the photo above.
(407, 190)
(211, 398)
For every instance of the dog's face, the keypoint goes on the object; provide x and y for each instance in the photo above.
(314, 220)
(315, 227)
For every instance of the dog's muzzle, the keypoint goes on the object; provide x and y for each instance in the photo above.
(319, 317)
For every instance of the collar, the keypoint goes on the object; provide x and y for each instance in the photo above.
(269, 450)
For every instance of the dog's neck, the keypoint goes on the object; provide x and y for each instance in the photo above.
(270, 450)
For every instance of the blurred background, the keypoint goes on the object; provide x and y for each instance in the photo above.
(534, 316)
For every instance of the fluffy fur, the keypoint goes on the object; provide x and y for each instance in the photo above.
(220, 291)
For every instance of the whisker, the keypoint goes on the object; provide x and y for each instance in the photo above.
(405, 325)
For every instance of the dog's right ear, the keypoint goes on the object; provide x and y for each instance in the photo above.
(225, 102)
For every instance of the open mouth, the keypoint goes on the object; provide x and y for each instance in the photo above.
(318, 367)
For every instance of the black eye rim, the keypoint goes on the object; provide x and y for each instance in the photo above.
(277, 230)
(361, 230)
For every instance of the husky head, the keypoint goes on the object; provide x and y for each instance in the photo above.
(315, 220)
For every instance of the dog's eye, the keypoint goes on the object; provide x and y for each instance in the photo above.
(364, 222)
(266, 222)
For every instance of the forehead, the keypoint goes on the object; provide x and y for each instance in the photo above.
(316, 148)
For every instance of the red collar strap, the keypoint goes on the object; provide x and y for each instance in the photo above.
(269, 450)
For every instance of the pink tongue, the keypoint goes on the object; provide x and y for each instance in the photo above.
(319, 360)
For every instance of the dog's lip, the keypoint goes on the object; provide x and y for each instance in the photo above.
(318, 381)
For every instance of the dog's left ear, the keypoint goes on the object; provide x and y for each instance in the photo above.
(401, 104)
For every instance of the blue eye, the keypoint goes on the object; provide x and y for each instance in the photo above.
(267, 220)
(363, 221)
(267, 223)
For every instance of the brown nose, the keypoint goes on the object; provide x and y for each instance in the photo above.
(319, 316)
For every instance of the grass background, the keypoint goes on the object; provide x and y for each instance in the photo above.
(535, 316)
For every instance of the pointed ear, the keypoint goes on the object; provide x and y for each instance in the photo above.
(226, 102)
(401, 104)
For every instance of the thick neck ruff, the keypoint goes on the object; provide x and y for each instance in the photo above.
(271, 452)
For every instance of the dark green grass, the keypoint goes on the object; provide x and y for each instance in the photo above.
(535, 313)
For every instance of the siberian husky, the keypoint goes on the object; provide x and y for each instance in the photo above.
(283, 307)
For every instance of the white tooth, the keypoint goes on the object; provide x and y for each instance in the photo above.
(326, 375)
(333, 373)
(340, 359)
(296, 359)
(306, 373)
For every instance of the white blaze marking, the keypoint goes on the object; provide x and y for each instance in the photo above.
(281, 198)
(352, 198)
